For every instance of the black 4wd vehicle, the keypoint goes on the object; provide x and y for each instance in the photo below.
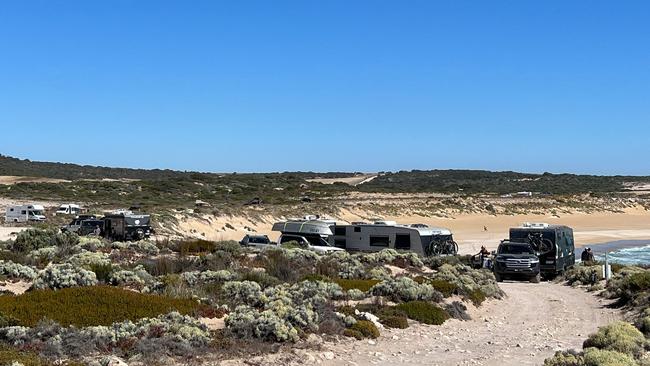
(544, 250)
(516, 260)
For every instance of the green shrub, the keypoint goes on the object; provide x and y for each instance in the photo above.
(316, 277)
(618, 336)
(563, 358)
(639, 281)
(476, 297)
(424, 312)
(197, 246)
(399, 322)
(363, 285)
(8, 321)
(262, 278)
(31, 239)
(88, 306)
(352, 333)
(346, 309)
(446, 288)
(11, 356)
(366, 328)
(102, 271)
(597, 357)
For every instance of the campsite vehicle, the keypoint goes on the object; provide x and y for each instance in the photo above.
(516, 260)
(261, 241)
(307, 233)
(25, 213)
(366, 237)
(84, 225)
(68, 209)
(418, 238)
(549, 248)
(126, 225)
(553, 244)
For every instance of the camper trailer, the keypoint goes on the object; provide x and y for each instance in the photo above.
(25, 213)
(126, 225)
(418, 238)
(68, 209)
(365, 237)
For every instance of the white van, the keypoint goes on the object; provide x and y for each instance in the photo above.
(25, 213)
(68, 209)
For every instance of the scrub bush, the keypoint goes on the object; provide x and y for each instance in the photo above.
(88, 306)
(31, 239)
(467, 279)
(424, 312)
(15, 270)
(399, 322)
(58, 276)
(618, 336)
(366, 328)
(405, 289)
(362, 285)
(597, 357)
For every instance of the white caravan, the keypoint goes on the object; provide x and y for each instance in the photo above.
(25, 213)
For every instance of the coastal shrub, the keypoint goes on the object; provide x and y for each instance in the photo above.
(102, 272)
(31, 239)
(620, 286)
(367, 329)
(583, 275)
(12, 356)
(171, 333)
(143, 247)
(355, 294)
(88, 306)
(468, 279)
(476, 297)
(344, 264)
(598, 357)
(362, 285)
(399, 322)
(315, 277)
(457, 310)
(17, 271)
(435, 262)
(446, 288)
(405, 289)
(194, 278)
(263, 279)
(353, 333)
(392, 256)
(195, 246)
(565, 358)
(618, 336)
(58, 276)
(136, 277)
(44, 254)
(247, 322)
(379, 273)
(423, 312)
(88, 259)
(243, 292)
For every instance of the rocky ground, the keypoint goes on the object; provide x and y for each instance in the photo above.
(533, 322)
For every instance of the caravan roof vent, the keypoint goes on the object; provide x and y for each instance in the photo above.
(385, 223)
(536, 225)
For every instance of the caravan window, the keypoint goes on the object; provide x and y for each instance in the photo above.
(339, 230)
(403, 241)
(23, 212)
(357, 229)
(379, 241)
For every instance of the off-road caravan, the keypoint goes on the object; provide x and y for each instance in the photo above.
(25, 213)
(418, 238)
(125, 225)
(309, 233)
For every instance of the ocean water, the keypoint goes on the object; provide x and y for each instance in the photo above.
(623, 252)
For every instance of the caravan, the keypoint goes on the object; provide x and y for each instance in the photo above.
(68, 209)
(25, 213)
(327, 235)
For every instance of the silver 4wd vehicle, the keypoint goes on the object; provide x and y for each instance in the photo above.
(514, 260)
(261, 241)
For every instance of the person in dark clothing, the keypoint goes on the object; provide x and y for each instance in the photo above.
(585, 255)
(590, 257)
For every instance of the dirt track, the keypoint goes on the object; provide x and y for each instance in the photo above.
(528, 326)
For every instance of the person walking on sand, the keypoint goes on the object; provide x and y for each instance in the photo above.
(484, 228)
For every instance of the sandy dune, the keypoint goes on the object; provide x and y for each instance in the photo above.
(353, 181)
(12, 179)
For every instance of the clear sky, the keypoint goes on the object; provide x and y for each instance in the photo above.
(560, 86)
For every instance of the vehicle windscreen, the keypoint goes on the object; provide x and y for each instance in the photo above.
(35, 212)
(317, 241)
(515, 249)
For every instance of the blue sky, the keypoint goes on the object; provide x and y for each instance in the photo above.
(560, 86)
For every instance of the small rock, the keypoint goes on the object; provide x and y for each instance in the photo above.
(371, 342)
(328, 355)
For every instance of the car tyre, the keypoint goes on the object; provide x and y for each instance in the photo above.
(536, 279)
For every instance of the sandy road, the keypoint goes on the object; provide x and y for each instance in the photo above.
(524, 329)
(528, 326)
